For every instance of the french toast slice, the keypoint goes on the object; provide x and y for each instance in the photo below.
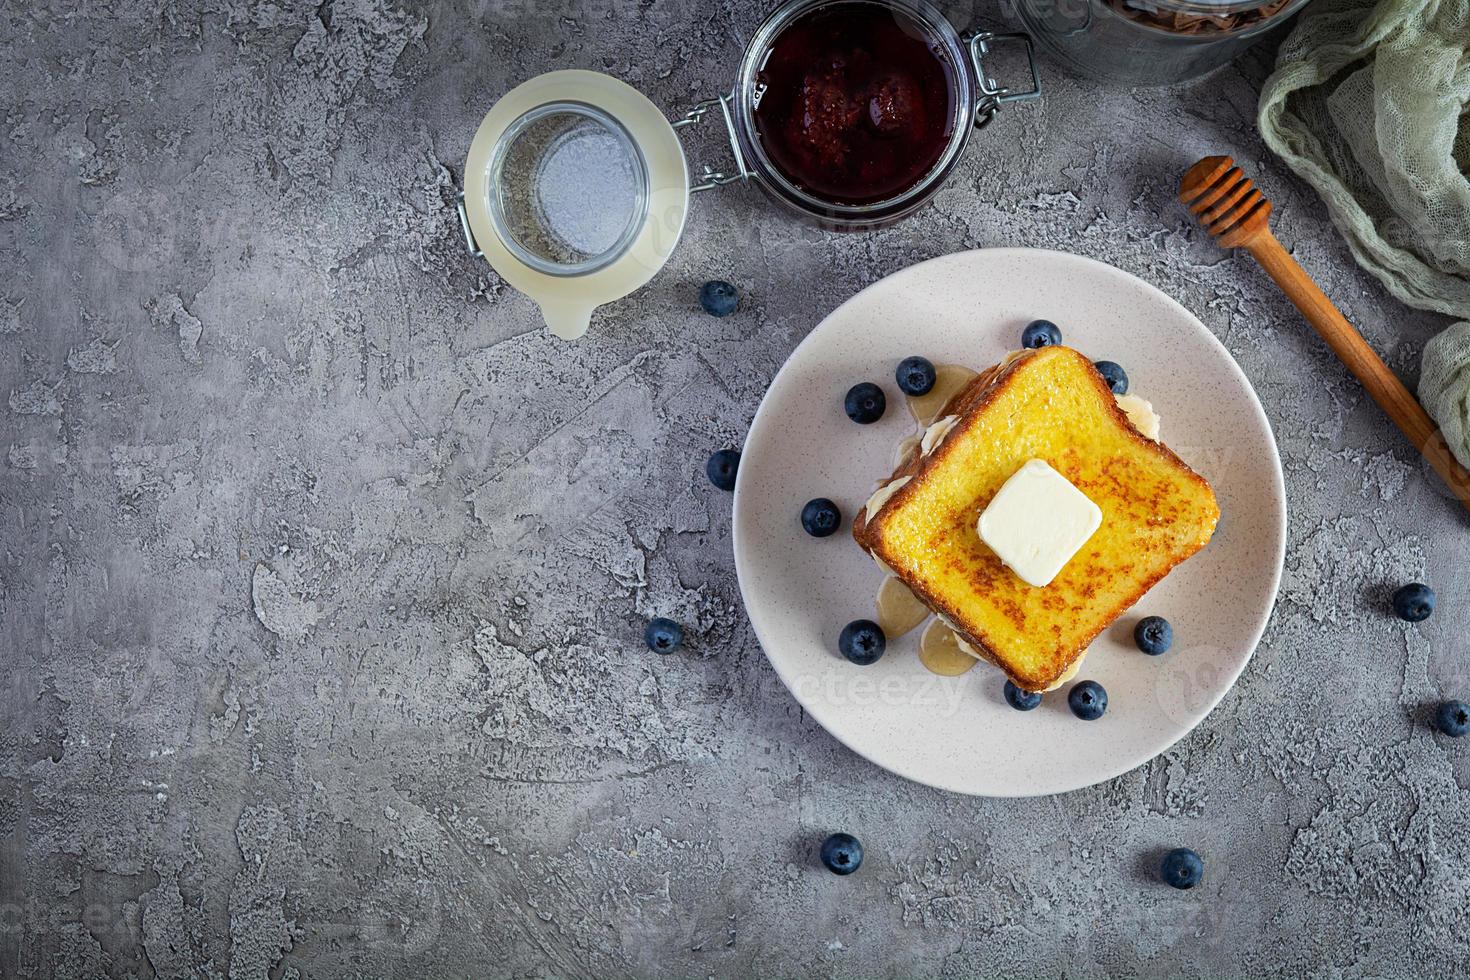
(1048, 404)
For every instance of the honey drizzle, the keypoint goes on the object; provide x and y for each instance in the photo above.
(898, 610)
(939, 651)
(948, 380)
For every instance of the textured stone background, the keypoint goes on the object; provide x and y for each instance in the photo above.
(324, 569)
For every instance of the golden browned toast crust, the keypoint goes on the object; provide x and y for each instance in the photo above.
(969, 403)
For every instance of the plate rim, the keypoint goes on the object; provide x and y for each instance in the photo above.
(1278, 485)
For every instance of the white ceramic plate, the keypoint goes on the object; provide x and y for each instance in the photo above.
(958, 733)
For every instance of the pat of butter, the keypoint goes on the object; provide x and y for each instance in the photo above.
(1037, 522)
(936, 433)
(884, 494)
(1141, 413)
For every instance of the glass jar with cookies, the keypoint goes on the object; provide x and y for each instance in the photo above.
(1149, 42)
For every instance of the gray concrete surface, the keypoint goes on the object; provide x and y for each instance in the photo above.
(324, 569)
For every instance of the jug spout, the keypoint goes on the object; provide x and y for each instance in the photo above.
(567, 320)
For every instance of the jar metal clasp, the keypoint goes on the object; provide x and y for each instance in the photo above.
(992, 95)
(710, 178)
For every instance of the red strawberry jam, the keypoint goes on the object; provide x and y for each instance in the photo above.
(856, 104)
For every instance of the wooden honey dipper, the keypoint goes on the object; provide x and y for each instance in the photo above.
(1231, 209)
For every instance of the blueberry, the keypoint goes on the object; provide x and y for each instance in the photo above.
(865, 403)
(663, 635)
(915, 375)
(1088, 700)
(1154, 635)
(1021, 700)
(820, 517)
(1453, 718)
(1114, 375)
(842, 854)
(721, 468)
(718, 297)
(1413, 602)
(1181, 868)
(862, 641)
(1040, 333)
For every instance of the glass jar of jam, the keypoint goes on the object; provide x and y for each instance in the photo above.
(850, 113)
(853, 112)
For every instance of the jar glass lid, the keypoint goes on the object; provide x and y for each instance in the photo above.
(568, 188)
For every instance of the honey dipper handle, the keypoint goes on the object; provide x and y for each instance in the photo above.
(1365, 364)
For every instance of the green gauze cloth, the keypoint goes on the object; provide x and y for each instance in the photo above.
(1368, 105)
(1444, 386)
